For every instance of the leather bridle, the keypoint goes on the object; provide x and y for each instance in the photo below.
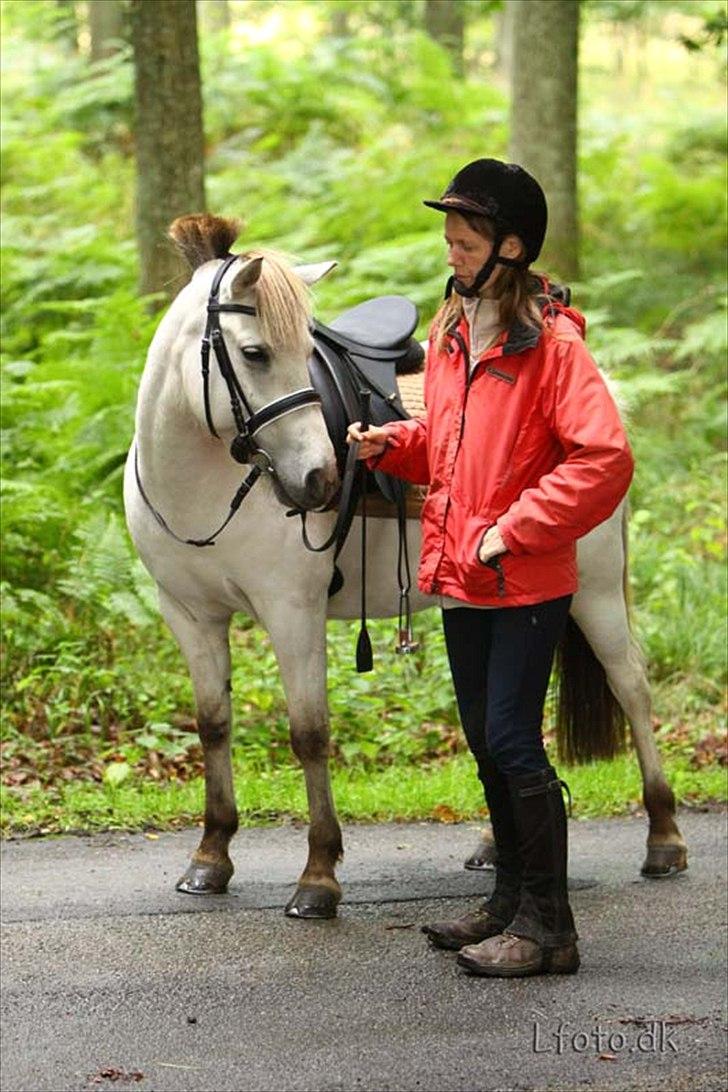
(244, 447)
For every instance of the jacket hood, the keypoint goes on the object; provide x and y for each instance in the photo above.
(556, 300)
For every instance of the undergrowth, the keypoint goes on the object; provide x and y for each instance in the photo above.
(326, 155)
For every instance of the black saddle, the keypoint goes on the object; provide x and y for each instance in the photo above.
(354, 368)
(364, 349)
(381, 323)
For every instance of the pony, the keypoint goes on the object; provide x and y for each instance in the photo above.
(195, 424)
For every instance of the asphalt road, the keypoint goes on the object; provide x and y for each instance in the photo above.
(111, 980)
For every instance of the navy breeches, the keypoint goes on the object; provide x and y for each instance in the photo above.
(501, 661)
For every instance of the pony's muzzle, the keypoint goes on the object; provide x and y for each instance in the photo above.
(320, 486)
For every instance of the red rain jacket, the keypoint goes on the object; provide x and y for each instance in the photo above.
(532, 441)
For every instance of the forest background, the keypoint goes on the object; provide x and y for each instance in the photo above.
(326, 122)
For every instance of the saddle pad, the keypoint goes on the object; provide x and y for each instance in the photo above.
(378, 507)
(412, 393)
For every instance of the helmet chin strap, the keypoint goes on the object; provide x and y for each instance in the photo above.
(484, 273)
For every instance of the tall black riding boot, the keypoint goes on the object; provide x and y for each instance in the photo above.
(541, 938)
(504, 901)
(493, 915)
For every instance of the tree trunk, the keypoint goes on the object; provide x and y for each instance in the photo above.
(503, 41)
(169, 137)
(445, 23)
(338, 21)
(543, 116)
(68, 24)
(106, 26)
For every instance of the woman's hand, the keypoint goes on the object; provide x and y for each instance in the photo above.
(371, 443)
(491, 545)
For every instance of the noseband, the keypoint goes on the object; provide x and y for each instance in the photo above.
(244, 447)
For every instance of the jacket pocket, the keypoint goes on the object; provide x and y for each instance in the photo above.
(483, 578)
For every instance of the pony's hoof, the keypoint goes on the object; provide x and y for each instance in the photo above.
(205, 879)
(313, 902)
(663, 861)
(484, 856)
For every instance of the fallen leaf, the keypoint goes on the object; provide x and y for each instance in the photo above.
(112, 1073)
(711, 748)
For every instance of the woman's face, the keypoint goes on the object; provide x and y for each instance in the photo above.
(467, 251)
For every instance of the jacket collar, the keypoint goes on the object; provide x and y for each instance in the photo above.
(518, 339)
(553, 299)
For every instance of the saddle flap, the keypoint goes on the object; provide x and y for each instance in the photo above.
(381, 323)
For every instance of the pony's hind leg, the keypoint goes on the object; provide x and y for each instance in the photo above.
(604, 623)
(299, 640)
(205, 645)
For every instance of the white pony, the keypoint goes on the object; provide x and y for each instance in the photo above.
(179, 482)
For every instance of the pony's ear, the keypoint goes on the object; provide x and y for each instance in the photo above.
(246, 277)
(309, 274)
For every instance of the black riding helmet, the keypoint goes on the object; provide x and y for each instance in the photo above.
(510, 198)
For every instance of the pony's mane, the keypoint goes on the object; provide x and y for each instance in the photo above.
(282, 301)
(281, 298)
(202, 237)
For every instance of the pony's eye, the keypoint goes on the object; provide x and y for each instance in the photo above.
(256, 354)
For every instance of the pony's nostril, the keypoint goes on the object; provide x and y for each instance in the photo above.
(316, 485)
(320, 486)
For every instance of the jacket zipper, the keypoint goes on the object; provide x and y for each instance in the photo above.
(494, 563)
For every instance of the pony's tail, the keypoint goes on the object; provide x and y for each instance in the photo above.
(202, 237)
(590, 722)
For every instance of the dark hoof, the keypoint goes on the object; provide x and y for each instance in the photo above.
(484, 856)
(313, 902)
(663, 861)
(205, 879)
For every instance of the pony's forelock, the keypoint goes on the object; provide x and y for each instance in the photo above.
(282, 301)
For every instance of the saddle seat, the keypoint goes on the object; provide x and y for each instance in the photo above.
(381, 323)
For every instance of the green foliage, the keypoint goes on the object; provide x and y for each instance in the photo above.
(326, 148)
(446, 792)
(713, 32)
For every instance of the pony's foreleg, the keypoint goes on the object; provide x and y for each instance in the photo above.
(299, 640)
(205, 645)
(603, 621)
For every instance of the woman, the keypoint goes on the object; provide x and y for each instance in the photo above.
(523, 452)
